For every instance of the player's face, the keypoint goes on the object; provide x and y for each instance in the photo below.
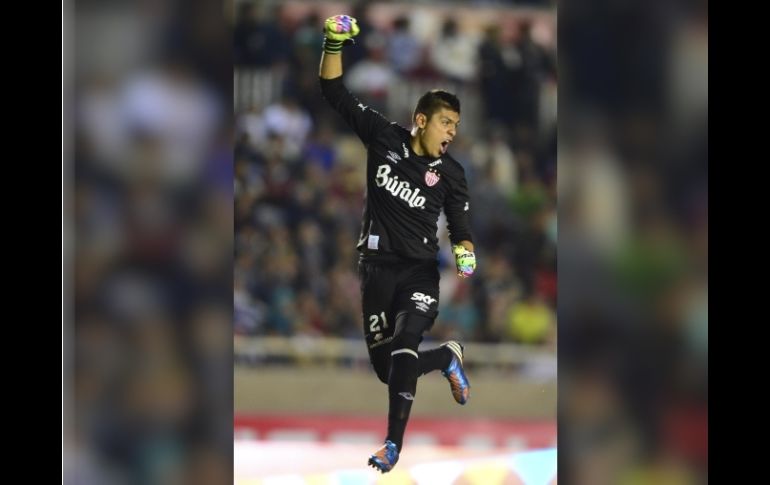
(439, 131)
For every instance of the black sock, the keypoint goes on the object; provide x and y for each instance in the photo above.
(404, 371)
(434, 359)
(402, 387)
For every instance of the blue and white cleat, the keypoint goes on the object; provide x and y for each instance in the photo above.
(458, 382)
(385, 458)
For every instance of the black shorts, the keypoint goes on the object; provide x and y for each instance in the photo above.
(392, 288)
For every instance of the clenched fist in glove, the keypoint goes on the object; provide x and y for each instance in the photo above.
(465, 260)
(338, 31)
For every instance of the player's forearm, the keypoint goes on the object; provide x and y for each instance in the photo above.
(466, 244)
(331, 66)
(459, 228)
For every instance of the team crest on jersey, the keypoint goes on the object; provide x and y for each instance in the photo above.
(432, 177)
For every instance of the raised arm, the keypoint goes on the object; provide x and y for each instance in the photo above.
(366, 122)
(338, 31)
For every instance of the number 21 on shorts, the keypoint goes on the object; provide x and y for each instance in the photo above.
(374, 322)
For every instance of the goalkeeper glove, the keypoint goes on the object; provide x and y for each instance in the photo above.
(338, 31)
(465, 260)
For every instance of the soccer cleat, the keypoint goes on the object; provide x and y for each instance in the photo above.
(458, 382)
(385, 458)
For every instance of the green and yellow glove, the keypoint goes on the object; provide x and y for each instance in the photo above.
(465, 261)
(338, 31)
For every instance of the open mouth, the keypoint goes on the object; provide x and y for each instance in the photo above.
(444, 146)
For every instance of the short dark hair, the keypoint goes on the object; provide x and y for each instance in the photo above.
(434, 100)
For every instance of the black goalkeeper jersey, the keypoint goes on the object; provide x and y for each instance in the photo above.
(405, 192)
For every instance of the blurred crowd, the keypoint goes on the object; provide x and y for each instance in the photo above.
(145, 365)
(299, 171)
(633, 243)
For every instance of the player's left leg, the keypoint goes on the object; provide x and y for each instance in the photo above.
(420, 295)
(455, 373)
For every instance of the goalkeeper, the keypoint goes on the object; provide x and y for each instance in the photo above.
(410, 178)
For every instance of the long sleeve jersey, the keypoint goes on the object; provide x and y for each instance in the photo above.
(405, 192)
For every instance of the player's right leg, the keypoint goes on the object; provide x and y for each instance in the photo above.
(402, 385)
(377, 289)
(385, 458)
(378, 283)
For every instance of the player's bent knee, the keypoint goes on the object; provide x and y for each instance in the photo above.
(409, 330)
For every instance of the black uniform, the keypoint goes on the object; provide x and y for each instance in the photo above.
(405, 194)
(405, 191)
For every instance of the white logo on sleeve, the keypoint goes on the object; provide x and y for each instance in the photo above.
(406, 150)
(466, 206)
(362, 106)
(393, 157)
(399, 188)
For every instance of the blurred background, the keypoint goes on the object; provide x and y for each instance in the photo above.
(302, 373)
(150, 104)
(147, 235)
(633, 242)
